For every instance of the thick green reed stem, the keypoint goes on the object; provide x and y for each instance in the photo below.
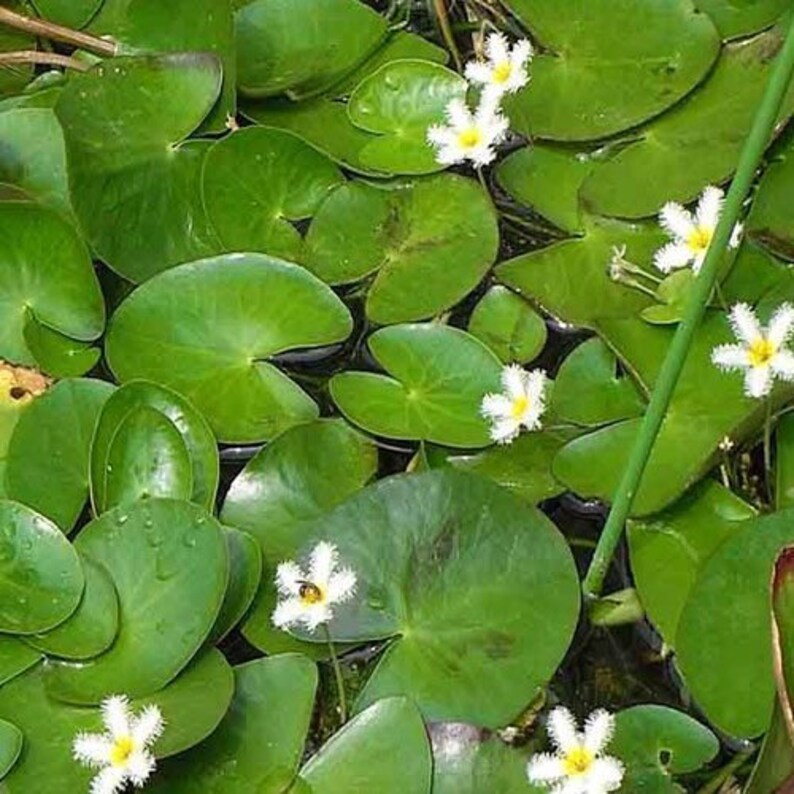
(751, 155)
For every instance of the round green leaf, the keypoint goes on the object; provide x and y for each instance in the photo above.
(735, 19)
(71, 13)
(41, 580)
(438, 376)
(245, 574)
(385, 749)
(644, 733)
(397, 104)
(297, 478)
(147, 457)
(169, 564)
(196, 435)
(213, 348)
(137, 192)
(508, 325)
(258, 180)
(301, 45)
(589, 391)
(695, 144)
(251, 752)
(51, 445)
(440, 574)
(592, 80)
(11, 740)
(728, 617)
(93, 626)
(52, 276)
(440, 232)
(16, 656)
(56, 354)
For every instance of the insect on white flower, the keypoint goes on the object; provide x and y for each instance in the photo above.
(468, 136)
(692, 234)
(505, 70)
(579, 765)
(123, 753)
(521, 404)
(308, 597)
(761, 352)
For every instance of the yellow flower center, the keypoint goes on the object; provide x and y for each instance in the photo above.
(310, 594)
(578, 761)
(700, 239)
(502, 72)
(469, 138)
(121, 751)
(519, 407)
(761, 352)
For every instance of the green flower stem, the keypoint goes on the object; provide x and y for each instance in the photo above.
(754, 147)
(340, 682)
(768, 450)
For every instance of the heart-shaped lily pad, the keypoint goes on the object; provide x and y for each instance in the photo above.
(300, 46)
(92, 627)
(258, 180)
(51, 445)
(695, 144)
(250, 752)
(728, 617)
(439, 573)
(734, 20)
(137, 192)
(437, 378)
(197, 441)
(52, 276)
(297, 478)
(440, 232)
(213, 349)
(41, 579)
(397, 104)
(592, 80)
(169, 564)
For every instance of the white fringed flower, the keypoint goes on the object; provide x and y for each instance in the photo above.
(123, 753)
(761, 352)
(308, 598)
(505, 70)
(521, 404)
(468, 136)
(692, 234)
(579, 765)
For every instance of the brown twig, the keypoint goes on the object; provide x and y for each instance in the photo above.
(33, 56)
(49, 30)
(442, 16)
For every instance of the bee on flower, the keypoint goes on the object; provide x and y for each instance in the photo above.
(468, 136)
(123, 753)
(520, 404)
(505, 70)
(691, 233)
(308, 596)
(578, 765)
(761, 352)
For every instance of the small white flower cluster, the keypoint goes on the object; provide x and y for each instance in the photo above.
(473, 135)
(578, 765)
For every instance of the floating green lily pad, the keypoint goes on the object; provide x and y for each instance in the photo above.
(735, 19)
(297, 478)
(52, 276)
(56, 354)
(11, 740)
(258, 180)
(51, 445)
(592, 80)
(137, 192)
(71, 13)
(440, 232)
(41, 579)
(437, 378)
(300, 46)
(16, 656)
(695, 144)
(169, 563)
(214, 349)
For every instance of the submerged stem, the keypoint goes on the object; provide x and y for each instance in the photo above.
(34, 56)
(768, 450)
(752, 152)
(49, 30)
(340, 683)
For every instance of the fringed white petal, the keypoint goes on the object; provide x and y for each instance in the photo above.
(606, 773)
(116, 715)
(139, 768)
(288, 578)
(562, 730)
(758, 382)
(341, 586)
(496, 406)
(439, 135)
(322, 562)
(505, 431)
(481, 155)
(781, 325)
(287, 613)
(497, 48)
(545, 768)
(92, 749)
(459, 114)
(783, 364)
(598, 731)
(111, 780)
(314, 615)
(676, 221)
(730, 357)
(744, 323)
(148, 726)
(514, 381)
(522, 53)
(672, 256)
(478, 72)
(709, 207)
